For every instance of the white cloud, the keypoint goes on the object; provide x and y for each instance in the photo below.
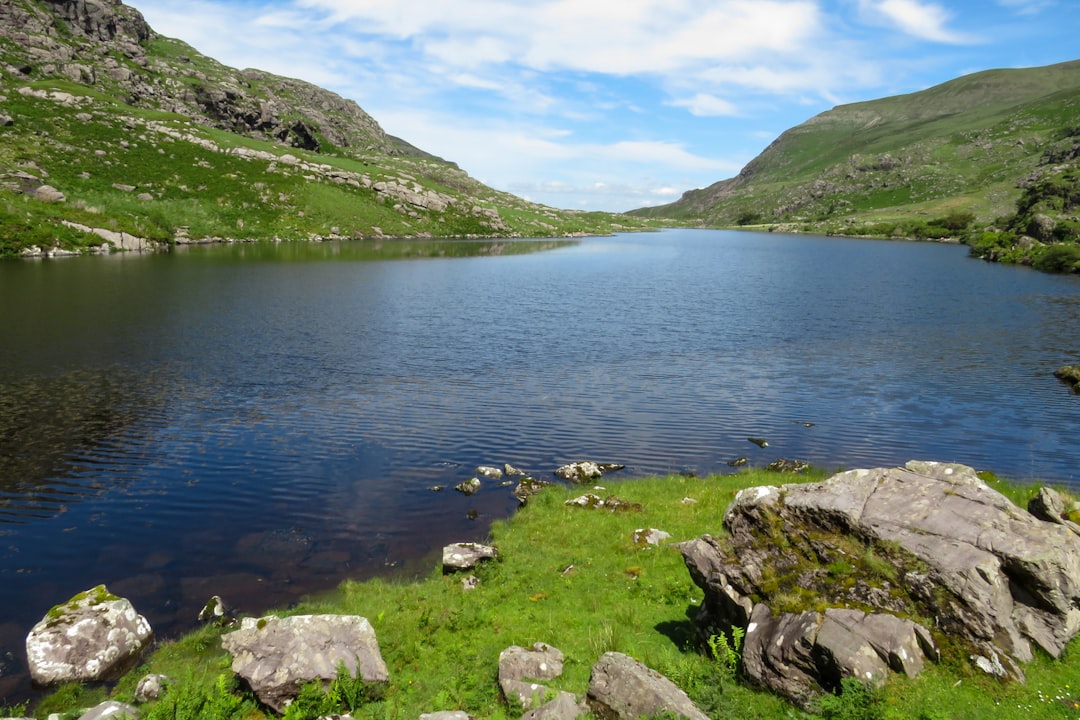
(926, 21)
(1027, 7)
(706, 105)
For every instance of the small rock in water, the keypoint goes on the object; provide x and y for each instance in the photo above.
(469, 486)
(492, 473)
(784, 465)
(511, 471)
(739, 461)
(760, 442)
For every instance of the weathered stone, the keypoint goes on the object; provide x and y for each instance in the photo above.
(784, 465)
(94, 636)
(276, 656)
(113, 710)
(446, 715)
(469, 487)
(649, 536)
(527, 487)
(47, 193)
(585, 470)
(466, 556)
(621, 688)
(518, 666)
(511, 471)
(490, 472)
(587, 500)
(215, 611)
(1048, 505)
(564, 707)
(151, 687)
(939, 543)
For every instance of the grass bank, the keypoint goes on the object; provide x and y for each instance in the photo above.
(575, 579)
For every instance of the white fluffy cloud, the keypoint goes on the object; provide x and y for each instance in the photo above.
(928, 21)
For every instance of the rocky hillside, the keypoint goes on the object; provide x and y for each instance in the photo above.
(112, 134)
(917, 165)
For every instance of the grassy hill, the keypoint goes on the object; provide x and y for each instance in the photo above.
(111, 134)
(929, 164)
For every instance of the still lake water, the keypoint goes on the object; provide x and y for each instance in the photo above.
(260, 421)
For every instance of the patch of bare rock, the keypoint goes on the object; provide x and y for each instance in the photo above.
(878, 571)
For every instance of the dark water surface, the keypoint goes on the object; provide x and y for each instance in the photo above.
(263, 421)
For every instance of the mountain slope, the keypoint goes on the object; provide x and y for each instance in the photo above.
(111, 134)
(966, 146)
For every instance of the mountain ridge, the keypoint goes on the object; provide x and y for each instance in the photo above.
(970, 146)
(113, 136)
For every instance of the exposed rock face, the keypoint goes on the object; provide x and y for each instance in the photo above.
(930, 542)
(94, 636)
(621, 688)
(106, 44)
(276, 656)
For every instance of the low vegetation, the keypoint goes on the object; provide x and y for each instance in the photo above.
(574, 578)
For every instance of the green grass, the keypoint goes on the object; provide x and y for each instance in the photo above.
(574, 578)
(215, 194)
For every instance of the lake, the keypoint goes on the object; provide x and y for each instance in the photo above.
(262, 421)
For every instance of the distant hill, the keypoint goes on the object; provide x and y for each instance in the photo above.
(947, 161)
(113, 134)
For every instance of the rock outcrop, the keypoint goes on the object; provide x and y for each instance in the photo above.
(105, 44)
(94, 636)
(870, 570)
(276, 656)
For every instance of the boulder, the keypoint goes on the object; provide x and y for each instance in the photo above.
(621, 688)
(519, 666)
(586, 470)
(490, 472)
(466, 556)
(94, 636)
(926, 540)
(276, 656)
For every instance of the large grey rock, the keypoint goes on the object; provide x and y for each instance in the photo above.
(519, 667)
(94, 636)
(276, 656)
(621, 688)
(927, 540)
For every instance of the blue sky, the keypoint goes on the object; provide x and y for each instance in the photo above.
(615, 104)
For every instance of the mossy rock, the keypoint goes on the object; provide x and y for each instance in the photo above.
(1069, 374)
